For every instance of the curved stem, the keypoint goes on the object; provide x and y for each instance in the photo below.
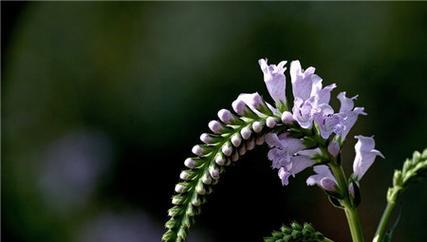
(382, 226)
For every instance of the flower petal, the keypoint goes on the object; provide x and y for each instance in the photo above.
(365, 155)
(274, 79)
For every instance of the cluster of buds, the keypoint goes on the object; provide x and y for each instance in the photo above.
(231, 136)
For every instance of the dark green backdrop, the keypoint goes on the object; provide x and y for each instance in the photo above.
(102, 102)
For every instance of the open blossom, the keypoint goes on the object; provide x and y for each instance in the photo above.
(275, 79)
(288, 155)
(310, 98)
(365, 155)
(340, 123)
(323, 178)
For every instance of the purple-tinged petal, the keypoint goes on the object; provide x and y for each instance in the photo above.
(303, 112)
(274, 79)
(365, 155)
(349, 119)
(324, 94)
(273, 140)
(301, 81)
(323, 178)
(347, 104)
(297, 164)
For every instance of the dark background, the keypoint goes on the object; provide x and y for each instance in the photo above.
(102, 102)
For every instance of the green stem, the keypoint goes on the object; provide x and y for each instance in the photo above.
(382, 226)
(327, 240)
(354, 223)
(349, 208)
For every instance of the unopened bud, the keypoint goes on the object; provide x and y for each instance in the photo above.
(190, 163)
(270, 122)
(235, 156)
(246, 132)
(227, 149)
(214, 172)
(196, 202)
(179, 188)
(225, 116)
(184, 175)
(200, 189)
(242, 150)
(215, 126)
(207, 138)
(260, 140)
(198, 150)
(206, 179)
(239, 106)
(257, 126)
(333, 148)
(287, 117)
(220, 159)
(236, 140)
(250, 145)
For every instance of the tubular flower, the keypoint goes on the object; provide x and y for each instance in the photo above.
(288, 155)
(310, 99)
(274, 79)
(339, 123)
(365, 156)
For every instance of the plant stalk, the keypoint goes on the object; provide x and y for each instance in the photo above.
(382, 226)
(351, 213)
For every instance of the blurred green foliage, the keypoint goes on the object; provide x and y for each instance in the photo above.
(148, 76)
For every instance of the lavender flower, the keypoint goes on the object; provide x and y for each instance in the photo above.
(323, 178)
(339, 123)
(365, 155)
(275, 79)
(310, 99)
(288, 155)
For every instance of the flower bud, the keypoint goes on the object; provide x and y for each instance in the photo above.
(257, 126)
(242, 150)
(250, 145)
(236, 140)
(226, 116)
(200, 189)
(190, 163)
(196, 201)
(177, 199)
(260, 140)
(180, 188)
(220, 159)
(208, 138)
(214, 172)
(334, 148)
(227, 149)
(198, 150)
(215, 126)
(328, 184)
(235, 156)
(207, 179)
(271, 122)
(287, 117)
(184, 175)
(246, 132)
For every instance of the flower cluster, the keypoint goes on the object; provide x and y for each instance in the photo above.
(311, 111)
